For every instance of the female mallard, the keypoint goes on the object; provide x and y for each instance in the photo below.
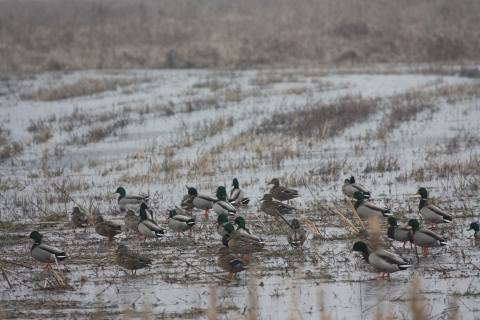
(244, 243)
(45, 253)
(367, 210)
(237, 196)
(425, 238)
(222, 220)
(431, 212)
(131, 261)
(131, 222)
(148, 227)
(382, 260)
(229, 229)
(350, 187)
(133, 200)
(396, 232)
(201, 201)
(221, 205)
(282, 193)
(107, 228)
(228, 262)
(79, 219)
(297, 236)
(273, 208)
(474, 226)
(180, 223)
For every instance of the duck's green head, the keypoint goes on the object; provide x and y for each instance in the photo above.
(143, 211)
(423, 193)
(172, 213)
(235, 183)
(359, 246)
(352, 179)
(222, 218)
(240, 222)
(229, 228)
(192, 191)
(392, 221)
(474, 226)
(413, 223)
(35, 235)
(221, 193)
(358, 195)
(121, 190)
(295, 224)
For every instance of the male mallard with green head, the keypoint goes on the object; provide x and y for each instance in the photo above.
(241, 224)
(350, 187)
(282, 193)
(230, 263)
(237, 196)
(148, 227)
(396, 232)
(222, 220)
(297, 236)
(273, 208)
(201, 201)
(474, 226)
(222, 206)
(45, 253)
(107, 228)
(131, 261)
(382, 260)
(180, 223)
(79, 219)
(367, 210)
(431, 212)
(229, 229)
(133, 200)
(424, 238)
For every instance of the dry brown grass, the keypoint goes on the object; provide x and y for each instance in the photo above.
(94, 34)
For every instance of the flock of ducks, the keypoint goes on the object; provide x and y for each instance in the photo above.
(240, 243)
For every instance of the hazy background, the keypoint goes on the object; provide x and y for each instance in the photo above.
(88, 34)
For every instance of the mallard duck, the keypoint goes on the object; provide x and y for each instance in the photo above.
(131, 221)
(282, 193)
(424, 238)
(240, 223)
(272, 207)
(131, 261)
(79, 219)
(229, 229)
(237, 196)
(107, 228)
(180, 223)
(228, 262)
(474, 226)
(222, 220)
(297, 236)
(201, 201)
(382, 260)
(431, 212)
(125, 199)
(148, 227)
(244, 243)
(350, 187)
(221, 205)
(396, 232)
(45, 253)
(367, 210)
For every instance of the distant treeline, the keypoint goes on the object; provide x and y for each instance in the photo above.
(38, 35)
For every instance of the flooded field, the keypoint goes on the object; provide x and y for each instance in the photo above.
(69, 139)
